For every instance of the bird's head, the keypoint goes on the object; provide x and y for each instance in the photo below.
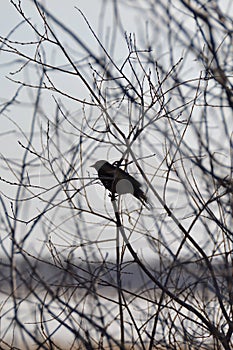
(99, 164)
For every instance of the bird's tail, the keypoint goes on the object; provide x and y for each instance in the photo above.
(143, 198)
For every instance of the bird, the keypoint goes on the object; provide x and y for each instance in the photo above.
(118, 181)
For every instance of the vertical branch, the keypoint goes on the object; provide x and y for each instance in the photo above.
(118, 266)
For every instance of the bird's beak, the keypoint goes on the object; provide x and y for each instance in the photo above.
(92, 166)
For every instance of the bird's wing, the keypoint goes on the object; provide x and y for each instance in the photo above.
(124, 175)
(110, 175)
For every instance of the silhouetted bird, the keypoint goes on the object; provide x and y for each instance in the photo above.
(119, 181)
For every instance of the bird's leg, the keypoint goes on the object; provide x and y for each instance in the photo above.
(113, 196)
